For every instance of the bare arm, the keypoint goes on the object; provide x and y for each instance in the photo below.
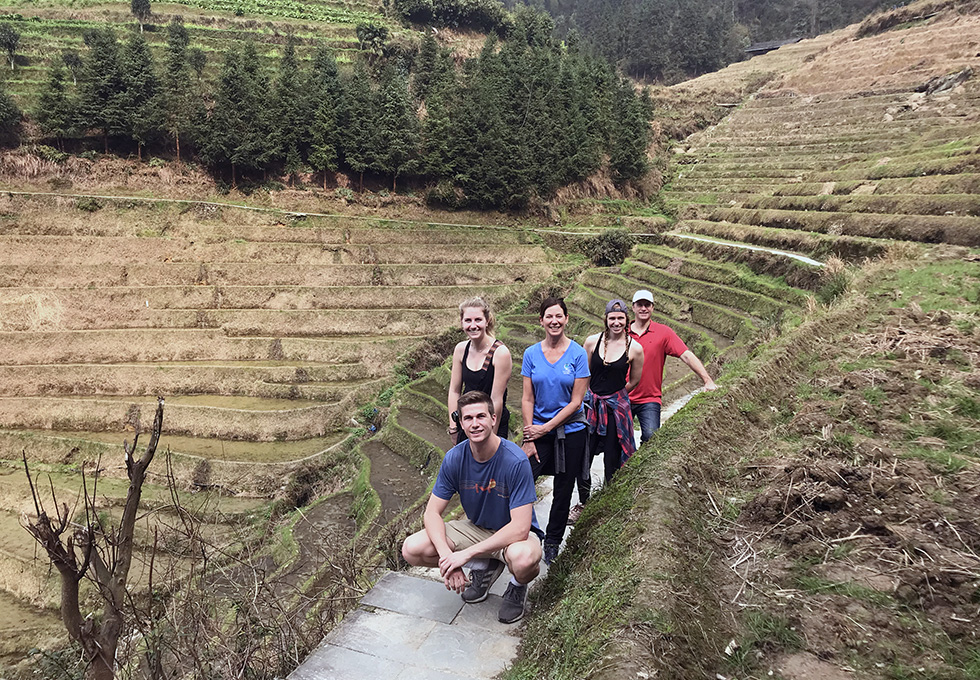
(515, 531)
(695, 365)
(589, 347)
(435, 526)
(502, 366)
(579, 388)
(636, 366)
(527, 414)
(455, 383)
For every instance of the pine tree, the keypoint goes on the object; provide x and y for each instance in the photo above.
(9, 40)
(237, 133)
(436, 137)
(291, 113)
(425, 71)
(57, 109)
(631, 135)
(359, 122)
(10, 114)
(485, 151)
(102, 87)
(326, 96)
(397, 128)
(141, 98)
(176, 89)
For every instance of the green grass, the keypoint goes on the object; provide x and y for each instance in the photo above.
(816, 584)
(762, 633)
(939, 461)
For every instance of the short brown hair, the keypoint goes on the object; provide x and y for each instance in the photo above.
(475, 397)
(552, 302)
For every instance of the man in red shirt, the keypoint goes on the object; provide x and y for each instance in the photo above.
(657, 341)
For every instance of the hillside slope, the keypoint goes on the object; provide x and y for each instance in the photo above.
(818, 516)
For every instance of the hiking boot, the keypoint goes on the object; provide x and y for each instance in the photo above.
(512, 608)
(575, 513)
(480, 582)
(550, 552)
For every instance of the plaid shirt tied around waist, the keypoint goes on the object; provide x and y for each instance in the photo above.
(597, 417)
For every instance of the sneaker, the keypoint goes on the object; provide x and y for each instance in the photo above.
(550, 552)
(480, 582)
(512, 608)
(575, 513)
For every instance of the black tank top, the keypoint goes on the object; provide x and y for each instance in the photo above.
(482, 380)
(609, 378)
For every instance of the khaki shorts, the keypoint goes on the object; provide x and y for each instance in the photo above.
(463, 533)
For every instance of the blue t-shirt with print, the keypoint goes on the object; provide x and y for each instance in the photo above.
(489, 490)
(553, 382)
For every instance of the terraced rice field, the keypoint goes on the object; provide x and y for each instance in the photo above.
(834, 165)
(48, 29)
(265, 335)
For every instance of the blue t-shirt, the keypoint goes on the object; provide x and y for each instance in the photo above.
(553, 382)
(488, 491)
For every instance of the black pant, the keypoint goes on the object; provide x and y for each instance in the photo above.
(612, 459)
(564, 482)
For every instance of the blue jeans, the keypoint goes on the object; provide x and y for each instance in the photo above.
(649, 416)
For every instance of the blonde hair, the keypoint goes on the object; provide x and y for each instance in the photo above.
(478, 303)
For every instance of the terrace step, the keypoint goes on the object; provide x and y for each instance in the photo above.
(397, 482)
(874, 170)
(259, 273)
(110, 250)
(187, 419)
(761, 262)
(265, 323)
(189, 344)
(750, 304)
(320, 232)
(425, 427)
(907, 204)
(227, 464)
(324, 382)
(967, 183)
(812, 244)
(701, 269)
(964, 231)
(112, 302)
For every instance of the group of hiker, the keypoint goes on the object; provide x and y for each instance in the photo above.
(578, 402)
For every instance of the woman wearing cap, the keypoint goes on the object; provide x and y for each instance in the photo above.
(481, 362)
(616, 364)
(556, 377)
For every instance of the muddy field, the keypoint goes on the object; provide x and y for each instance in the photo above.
(862, 525)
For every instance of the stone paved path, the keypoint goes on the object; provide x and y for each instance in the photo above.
(409, 627)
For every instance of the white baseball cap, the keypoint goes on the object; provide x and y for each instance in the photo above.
(643, 295)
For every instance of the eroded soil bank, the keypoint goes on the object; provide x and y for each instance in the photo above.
(818, 517)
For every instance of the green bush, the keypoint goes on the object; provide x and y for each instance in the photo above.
(484, 15)
(609, 248)
(49, 153)
(88, 204)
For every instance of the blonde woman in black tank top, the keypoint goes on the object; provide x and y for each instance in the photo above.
(481, 362)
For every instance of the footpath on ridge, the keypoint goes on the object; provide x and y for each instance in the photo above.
(409, 627)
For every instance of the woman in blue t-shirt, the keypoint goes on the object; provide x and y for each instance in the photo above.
(556, 377)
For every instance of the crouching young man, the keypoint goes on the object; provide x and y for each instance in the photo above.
(496, 489)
